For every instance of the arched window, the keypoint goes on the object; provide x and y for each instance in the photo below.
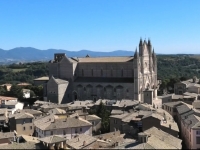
(82, 72)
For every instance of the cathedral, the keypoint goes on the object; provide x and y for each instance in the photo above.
(115, 78)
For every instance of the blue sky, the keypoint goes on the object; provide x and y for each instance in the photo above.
(101, 25)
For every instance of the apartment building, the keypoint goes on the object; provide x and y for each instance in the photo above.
(22, 123)
(67, 127)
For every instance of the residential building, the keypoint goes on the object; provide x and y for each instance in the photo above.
(190, 86)
(6, 137)
(13, 106)
(153, 138)
(5, 99)
(141, 120)
(53, 142)
(94, 120)
(67, 127)
(22, 123)
(170, 107)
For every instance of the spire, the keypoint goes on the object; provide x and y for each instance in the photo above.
(136, 55)
(153, 54)
(140, 41)
(145, 41)
(149, 42)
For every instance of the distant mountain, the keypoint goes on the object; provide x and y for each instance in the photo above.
(25, 54)
(29, 54)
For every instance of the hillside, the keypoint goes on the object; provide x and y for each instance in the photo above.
(29, 54)
(169, 67)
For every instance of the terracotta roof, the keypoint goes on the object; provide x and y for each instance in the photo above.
(24, 84)
(7, 84)
(45, 78)
(7, 98)
(105, 59)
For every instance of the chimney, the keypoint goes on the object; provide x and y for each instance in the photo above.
(142, 137)
(117, 144)
(84, 143)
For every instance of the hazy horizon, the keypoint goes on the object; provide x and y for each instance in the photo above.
(103, 26)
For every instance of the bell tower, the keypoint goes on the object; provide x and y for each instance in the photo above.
(145, 70)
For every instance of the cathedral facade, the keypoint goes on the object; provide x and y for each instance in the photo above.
(93, 78)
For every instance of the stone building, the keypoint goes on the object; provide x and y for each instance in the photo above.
(133, 77)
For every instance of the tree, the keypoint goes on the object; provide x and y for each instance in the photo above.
(2, 90)
(16, 91)
(104, 114)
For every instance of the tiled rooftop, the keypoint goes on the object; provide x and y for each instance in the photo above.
(105, 59)
(77, 143)
(51, 122)
(52, 139)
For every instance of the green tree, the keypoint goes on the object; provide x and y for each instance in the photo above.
(16, 91)
(104, 114)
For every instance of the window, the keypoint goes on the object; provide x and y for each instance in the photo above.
(197, 140)
(31, 127)
(80, 129)
(24, 128)
(30, 120)
(76, 131)
(127, 90)
(197, 132)
(64, 132)
(51, 132)
(24, 121)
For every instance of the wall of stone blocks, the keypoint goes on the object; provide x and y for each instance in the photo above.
(105, 69)
(89, 90)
